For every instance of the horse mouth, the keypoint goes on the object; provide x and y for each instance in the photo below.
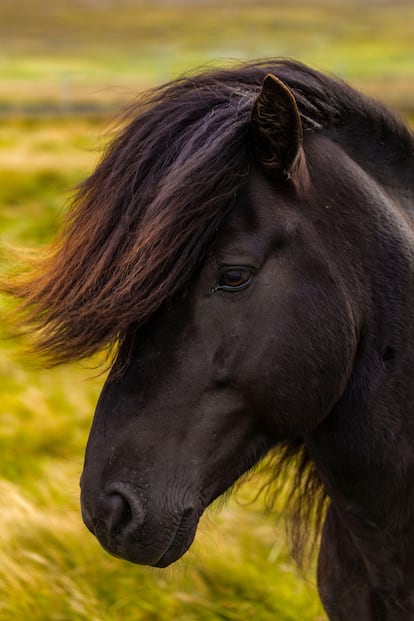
(181, 540)
(140, 552)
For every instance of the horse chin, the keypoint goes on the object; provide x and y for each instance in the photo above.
(181, 541)
(175, 552)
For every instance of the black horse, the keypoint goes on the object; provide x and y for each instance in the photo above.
(248, 243)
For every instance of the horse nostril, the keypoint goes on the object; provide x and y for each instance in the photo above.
(119, 513)
(123, 511)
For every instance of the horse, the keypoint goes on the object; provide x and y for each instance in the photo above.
(246, 248)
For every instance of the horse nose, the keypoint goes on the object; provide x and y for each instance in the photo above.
(116, 514)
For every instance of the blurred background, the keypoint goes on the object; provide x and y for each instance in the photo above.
(66, 68)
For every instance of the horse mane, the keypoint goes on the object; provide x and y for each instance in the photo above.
(141, 224)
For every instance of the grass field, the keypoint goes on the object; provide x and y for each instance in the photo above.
(97, 53)
(69, 56)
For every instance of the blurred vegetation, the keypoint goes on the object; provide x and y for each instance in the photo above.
(83, 54)
(63, 67)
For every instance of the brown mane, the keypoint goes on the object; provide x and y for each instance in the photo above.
(139, 226)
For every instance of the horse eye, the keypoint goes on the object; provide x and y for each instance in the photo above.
(234, 279)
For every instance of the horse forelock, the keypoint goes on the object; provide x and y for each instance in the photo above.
(141, 224)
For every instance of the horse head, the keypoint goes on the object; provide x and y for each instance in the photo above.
(256, 349)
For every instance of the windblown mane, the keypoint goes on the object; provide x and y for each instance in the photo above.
(140, 225)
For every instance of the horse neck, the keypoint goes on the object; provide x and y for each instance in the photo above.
(364, 450)
(383, 146)
(364, 455)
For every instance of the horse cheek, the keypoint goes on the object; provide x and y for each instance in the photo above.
(295, 374)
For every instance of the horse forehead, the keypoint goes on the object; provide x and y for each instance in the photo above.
(257, 209)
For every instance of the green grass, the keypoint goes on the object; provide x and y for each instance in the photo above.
(39, 163)
(51, 568)
(104, 52)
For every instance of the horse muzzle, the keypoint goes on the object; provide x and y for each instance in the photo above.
(126, 527)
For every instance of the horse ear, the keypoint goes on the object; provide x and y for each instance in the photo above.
(277, 129)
